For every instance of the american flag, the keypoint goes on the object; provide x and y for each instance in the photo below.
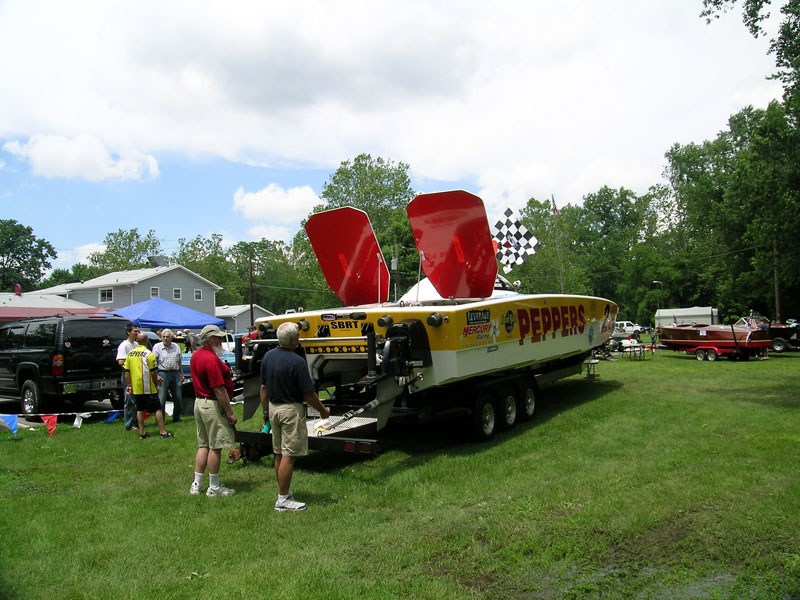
(556, 212)
(514, 241)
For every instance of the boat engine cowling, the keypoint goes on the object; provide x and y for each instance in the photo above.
(406, 346)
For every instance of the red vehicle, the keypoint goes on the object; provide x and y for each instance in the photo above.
(708, 342)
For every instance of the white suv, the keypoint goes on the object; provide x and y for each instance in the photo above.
(629, 327)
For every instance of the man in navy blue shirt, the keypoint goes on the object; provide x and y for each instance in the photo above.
(286, 387)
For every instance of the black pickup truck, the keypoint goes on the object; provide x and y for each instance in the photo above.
(51, 360)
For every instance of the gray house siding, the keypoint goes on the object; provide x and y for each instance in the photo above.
(241, 323)
(123, 295)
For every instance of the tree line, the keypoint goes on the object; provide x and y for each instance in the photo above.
(720, 230)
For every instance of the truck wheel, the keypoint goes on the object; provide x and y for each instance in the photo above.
(711, 355)
(117, 400)
(527, 401)
(700, 354)
(31, 397)
(507, 408)
(483, 418)
(779, 345)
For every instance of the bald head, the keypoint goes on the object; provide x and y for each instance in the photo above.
(141, 339)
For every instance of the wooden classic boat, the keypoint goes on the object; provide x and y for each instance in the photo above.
(707, 342)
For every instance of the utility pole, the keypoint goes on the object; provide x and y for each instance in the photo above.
(250, 261)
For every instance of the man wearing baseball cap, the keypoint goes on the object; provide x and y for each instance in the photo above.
(214, 417)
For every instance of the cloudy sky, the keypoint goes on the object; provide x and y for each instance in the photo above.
(192, 117)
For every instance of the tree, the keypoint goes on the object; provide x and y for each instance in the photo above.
(126, 250)
(382, 189)
(24, 258)
(207, 258)
(785, 47)
(79, 272)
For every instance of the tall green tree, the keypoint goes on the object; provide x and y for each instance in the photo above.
(24, 258)
(126, 250)
(382, 189)
(208, 258)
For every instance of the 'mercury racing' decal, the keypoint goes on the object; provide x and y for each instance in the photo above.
(537, 322)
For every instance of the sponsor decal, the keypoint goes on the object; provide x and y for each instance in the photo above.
(509, 320)
(537, 322)
(476, 317)
(476, 329)
(492, 348)
(328, 317)
(334, 349)
(345, 325)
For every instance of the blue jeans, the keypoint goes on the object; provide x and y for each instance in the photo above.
(129, 409)
(170, 385)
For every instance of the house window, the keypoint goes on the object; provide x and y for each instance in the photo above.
(176, 293)
(198, 295)
(105, 295)
(154, 292)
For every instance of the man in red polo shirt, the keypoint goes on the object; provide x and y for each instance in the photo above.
(213, 415)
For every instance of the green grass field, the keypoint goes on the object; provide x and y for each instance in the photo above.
(667, 478)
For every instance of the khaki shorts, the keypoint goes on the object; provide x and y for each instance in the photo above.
(289, 431)
(213, 428)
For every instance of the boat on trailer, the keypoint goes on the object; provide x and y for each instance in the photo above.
(708, 342)
(474, 347)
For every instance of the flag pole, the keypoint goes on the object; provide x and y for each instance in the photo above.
(557, 213)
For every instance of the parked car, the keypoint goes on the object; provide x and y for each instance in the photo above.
(630, 328)
(51, 360)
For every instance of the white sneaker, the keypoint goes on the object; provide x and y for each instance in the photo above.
(289, 504)
(195, 489)
(220, 490)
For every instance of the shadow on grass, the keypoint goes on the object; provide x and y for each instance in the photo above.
(422, 442)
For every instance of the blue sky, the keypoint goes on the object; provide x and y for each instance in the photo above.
(192, 118)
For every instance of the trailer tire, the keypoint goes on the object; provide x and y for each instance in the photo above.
(527, 400)
(484, 418)
(779, 345)
(508, 411)
(711, 355)
(700, 354)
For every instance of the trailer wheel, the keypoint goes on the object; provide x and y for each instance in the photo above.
(507, 408)
(779, 345)
(484, 418)
(711, 355)
(527, 401)
(700, 354)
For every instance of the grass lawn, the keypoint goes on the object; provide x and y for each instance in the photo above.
(667, 478)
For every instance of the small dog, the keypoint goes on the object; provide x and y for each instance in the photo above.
(234, 455)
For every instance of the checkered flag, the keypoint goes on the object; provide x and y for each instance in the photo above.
(514, 241)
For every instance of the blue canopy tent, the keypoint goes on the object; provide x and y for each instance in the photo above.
(158, 312)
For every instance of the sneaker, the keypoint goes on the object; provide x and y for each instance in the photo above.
(220, 490)
(195, 489)
(289, 504)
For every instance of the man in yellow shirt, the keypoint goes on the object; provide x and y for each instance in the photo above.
(142, 381)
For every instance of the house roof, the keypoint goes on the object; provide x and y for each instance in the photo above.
(234, 310)
(122, 278)
(36, 304)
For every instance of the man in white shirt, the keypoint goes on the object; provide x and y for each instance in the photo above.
(129, 411)
(170, 374)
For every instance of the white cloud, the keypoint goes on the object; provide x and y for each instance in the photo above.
(275, 203)
(84, 157)
(528, 98)
(67, 258)
(270, 232)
